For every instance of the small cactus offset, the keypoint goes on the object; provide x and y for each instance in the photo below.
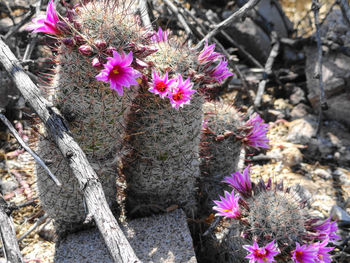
(266, 222)
(219, 149)
(271, 222)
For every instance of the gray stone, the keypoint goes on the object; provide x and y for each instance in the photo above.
(302, 130)
(299, 111)
(252, 36)
(335, 69)
(324, 174)
(163, 238)
(343, 176)
(297, 96)
(337, 213)
(339, 108)
(8, 186)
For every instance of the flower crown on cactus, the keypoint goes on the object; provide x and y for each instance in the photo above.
(124, 71)
(273, 217)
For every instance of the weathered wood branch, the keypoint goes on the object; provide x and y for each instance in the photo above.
(26, 147)
(8, 235)
(268, 68)
(318, 68)
(90, 185)
(240, 13)
(345, 9)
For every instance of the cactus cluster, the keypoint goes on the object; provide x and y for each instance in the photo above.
(132, 99)
(272, 217)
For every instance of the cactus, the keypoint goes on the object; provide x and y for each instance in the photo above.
(220, 149)
(266, 214)
(94, 112)
(154, 143)
(163, 164)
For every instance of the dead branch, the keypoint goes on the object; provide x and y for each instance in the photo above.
(33, 227)
(345, 9)
(8, 235)
(240, 13)
(115, 240)
(30, 47)
(142, 8)
(318, 68)
(268, 68)
(15, 28)
(30, 151)
(182, 20)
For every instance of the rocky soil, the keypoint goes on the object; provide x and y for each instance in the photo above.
(317, 163)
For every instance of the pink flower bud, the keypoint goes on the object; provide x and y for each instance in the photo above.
(68, 42)
(100, 44)
(85, 50)
(109, 51)
(63, 27)
(79, 39)
(96, 63)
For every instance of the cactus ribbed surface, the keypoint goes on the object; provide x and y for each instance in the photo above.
(162, 168)
(95, 113)
(220, 150)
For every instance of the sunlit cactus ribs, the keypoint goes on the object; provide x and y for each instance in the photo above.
(267, 222)
(133, 101)
(219, 149)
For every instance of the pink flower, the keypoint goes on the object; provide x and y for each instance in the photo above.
(46, 24)
(220, 72)
(160, 36)
(208, 54)
(118, 73)
(326, 230)
(181, 93)
(322, 252)
(228, 206)
(304, 254)
(241, 182)
(256, 130)
(160, 85)
(262, 255)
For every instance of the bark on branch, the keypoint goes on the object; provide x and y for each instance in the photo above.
(115, 240)
(8, 235)
(240, 13)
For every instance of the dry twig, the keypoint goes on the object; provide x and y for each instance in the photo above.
(268, 68)
(318, 68)
(182, 20)
(345, 9)
(30, 151)
(8, 234)
(15, 28)
(240, 13)
(33, 227)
